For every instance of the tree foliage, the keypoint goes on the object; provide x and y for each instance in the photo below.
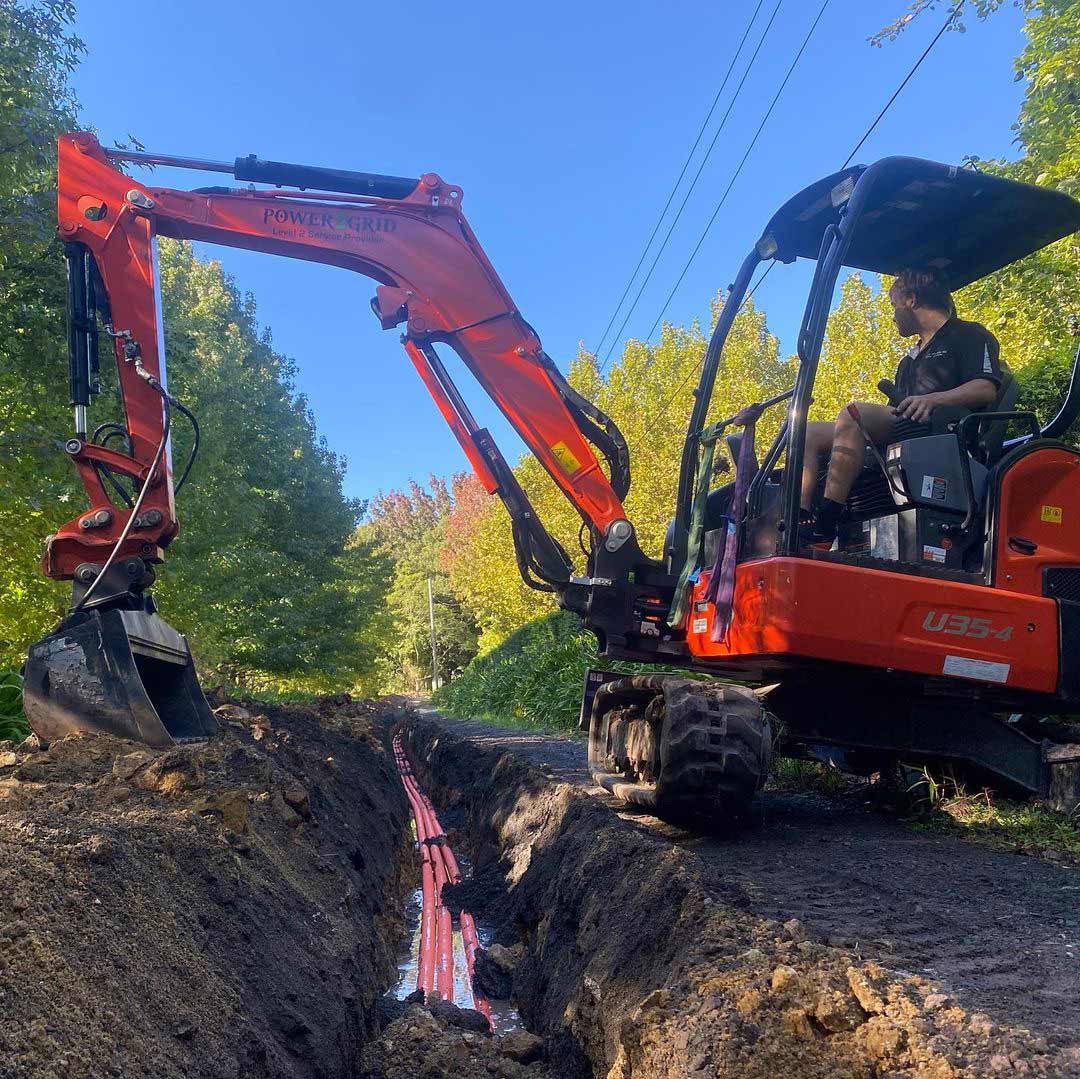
(408, 530)
(37, 485)
(266, 576)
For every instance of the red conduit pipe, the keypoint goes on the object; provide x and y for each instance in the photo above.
(425, 977)
(436, 925)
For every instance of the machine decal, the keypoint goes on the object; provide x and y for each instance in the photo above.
(933, 554)
(564, 455)
(935, 487)
(1051, 515)
(963, 625)
(700, 625)
(980, 669)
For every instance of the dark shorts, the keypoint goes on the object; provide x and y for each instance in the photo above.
(905, 429)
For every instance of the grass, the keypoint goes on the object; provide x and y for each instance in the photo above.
(1021, 827)
(944, 805)
(534, 679)
(798, 776)
(13, 723)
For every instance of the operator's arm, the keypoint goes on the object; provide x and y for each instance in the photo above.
(976, 394)
(973, 368)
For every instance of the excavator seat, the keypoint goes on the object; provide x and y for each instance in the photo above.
(121, 672)
(916, 514)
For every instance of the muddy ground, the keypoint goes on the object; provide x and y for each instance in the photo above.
(223, 910)
(827, 940)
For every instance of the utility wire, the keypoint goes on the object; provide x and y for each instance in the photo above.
(682, 173)
(768, 269)
(693, 184)
(739, 168)
(907, 78)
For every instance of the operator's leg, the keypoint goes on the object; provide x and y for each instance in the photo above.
(819, 440)
(845, 460)
(849, 447)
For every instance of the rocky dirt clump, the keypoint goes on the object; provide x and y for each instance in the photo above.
(441, 1042)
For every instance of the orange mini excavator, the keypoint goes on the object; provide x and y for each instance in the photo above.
(943, 628)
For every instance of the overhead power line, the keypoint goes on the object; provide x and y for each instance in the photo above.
(679, 180)
(693, 184)
(907, 78)
(735, 175)
(768, 269)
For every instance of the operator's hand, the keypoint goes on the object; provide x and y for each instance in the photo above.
(918, 407)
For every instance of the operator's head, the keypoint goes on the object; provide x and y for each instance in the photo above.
(915, 293)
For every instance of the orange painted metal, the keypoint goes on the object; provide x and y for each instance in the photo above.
(433, 275)
(1039, 503)
(800, 607)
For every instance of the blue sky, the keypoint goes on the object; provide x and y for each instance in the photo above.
(565, 124)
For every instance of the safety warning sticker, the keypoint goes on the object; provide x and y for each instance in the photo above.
(981, 669)
(565, 456)
(933, 554)
(701, 625)
(935, 487)
(1051, 515)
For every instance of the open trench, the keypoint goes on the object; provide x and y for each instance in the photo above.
(248, 908)
(649, 952)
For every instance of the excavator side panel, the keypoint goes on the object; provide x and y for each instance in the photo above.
(1036, 521)
(798, 609)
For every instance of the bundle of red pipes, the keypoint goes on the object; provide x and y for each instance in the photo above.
(438, 867)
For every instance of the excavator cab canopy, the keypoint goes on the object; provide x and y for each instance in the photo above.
(963, 223)
(896, 213)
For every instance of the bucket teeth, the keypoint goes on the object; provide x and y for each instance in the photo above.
(126, 673)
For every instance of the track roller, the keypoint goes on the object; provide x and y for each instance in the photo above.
(694, 753)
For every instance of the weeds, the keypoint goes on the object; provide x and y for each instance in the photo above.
(13, 723)
(793, 775)
(1022, 827)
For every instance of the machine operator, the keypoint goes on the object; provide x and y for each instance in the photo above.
(953, 362)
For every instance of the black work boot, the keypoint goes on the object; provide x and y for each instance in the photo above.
(818, 530)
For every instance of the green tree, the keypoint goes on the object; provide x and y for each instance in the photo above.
(408, 528)
(265, 577)
(37, 485)
(860, 348)
(262, 571)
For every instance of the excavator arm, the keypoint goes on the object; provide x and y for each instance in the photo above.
(113, 664)
(433, 278)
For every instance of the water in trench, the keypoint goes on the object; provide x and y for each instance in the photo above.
(503, 1013)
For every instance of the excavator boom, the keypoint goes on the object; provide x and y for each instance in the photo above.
(433, 277)
(113, 664)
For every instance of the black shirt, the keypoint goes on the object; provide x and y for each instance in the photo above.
(959, 352)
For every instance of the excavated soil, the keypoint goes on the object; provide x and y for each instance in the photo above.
(827, 940)
(236, 909)
(221, 910)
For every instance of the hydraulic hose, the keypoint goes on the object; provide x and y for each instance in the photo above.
(159, 453)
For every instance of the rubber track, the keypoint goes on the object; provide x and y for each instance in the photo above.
(715, 752)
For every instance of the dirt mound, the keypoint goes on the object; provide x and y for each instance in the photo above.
(433, 1043)
(644, 951)
(220, 910)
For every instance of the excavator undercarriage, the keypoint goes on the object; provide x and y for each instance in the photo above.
(943, 628)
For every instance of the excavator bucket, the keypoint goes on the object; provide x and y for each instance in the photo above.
(127, 673)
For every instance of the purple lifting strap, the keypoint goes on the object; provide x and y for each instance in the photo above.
(721, 588)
